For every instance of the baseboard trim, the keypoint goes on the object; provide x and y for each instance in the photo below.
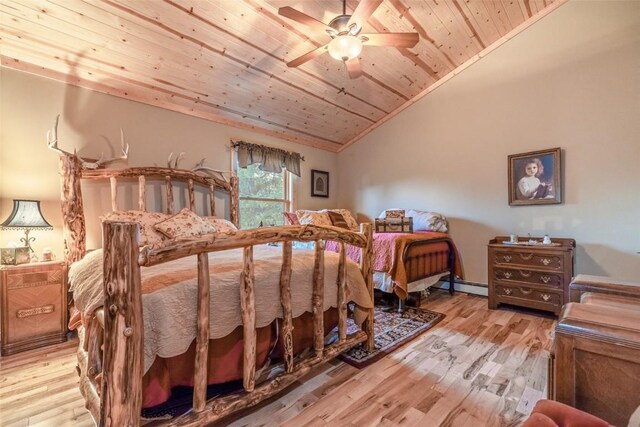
(465, 286)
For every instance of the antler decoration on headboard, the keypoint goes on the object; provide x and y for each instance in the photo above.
(175, 162)
(52, 143)
(200, 167)
(71, 167)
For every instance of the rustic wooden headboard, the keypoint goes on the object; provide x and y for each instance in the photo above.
(73, 207)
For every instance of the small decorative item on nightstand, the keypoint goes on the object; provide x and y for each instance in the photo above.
(33, 305)
(14, 256)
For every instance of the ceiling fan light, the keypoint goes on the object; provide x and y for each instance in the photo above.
(345, 47)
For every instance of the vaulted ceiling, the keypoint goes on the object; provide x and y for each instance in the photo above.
(225, 60)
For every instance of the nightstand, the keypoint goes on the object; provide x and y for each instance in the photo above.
(535, 276)
(33, 298)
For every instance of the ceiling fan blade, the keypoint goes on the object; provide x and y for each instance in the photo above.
(303, 18)
(390, 39)
(307, 56)
(353, 68)
(363, 11)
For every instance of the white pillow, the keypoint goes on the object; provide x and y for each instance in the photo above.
(429, 221)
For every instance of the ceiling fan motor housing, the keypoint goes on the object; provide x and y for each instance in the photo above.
(339, 23)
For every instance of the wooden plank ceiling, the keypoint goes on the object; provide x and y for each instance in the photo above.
(225, 60)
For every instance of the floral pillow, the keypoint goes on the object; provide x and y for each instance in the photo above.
(221, 224)
(185, 224)
(337, 219)
(320, 218)
(148, 234)
(348, 217)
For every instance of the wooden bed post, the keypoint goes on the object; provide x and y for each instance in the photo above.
(248, 308)
(72, 208)
(366, 255)
(123, 327)
(285, 300)
(234, 212)
(317, 298)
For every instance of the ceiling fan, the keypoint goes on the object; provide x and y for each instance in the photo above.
(347, 42)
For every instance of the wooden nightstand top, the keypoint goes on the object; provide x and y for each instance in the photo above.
(32, 265)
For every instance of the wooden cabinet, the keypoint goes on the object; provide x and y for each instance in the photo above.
(595, 359)
(34, 305)
(535, 276)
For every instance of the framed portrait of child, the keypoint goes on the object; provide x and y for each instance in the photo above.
(535, 178)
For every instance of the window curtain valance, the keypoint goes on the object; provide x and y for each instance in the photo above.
(270, 159)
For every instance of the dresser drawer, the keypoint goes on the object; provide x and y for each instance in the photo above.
(525, 276)
(551, 261)
(526, 296)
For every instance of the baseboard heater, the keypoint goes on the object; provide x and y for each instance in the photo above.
(474, 288)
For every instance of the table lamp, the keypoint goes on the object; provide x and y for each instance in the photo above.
(26, 215)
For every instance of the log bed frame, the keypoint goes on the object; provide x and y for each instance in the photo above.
(116, 399)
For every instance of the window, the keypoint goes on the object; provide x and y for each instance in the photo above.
(263, 196)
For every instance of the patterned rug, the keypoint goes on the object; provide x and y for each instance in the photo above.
(392, 330)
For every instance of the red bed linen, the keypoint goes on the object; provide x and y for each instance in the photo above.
(388, 249)
(225, 355)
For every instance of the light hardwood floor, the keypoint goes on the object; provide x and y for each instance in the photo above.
(477, 367)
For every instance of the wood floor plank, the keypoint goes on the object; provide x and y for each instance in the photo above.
(476, 367)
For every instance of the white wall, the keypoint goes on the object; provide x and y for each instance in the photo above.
(572, 80)
(90, 123)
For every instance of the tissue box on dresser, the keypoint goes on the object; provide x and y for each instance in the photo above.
(14, 256)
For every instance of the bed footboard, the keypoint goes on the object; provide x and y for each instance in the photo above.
(421, 265)
(120, 396)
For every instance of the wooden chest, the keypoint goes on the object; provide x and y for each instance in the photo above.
(595, 359)
(535, 276)
(34, 305)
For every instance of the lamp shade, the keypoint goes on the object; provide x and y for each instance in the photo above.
(26, 214)
(345, 47)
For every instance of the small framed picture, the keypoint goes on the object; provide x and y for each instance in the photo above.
(535, 178)
(319, 183)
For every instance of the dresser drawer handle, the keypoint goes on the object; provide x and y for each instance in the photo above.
(507, 258)
(525, 273)
(526, 257)
(545, 279)
(526, 291)
(507, 291)
(545, 297)
(507, 274)
(545, 261)
(27, 312)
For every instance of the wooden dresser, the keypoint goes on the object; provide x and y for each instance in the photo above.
(534, 276)
(34, 305)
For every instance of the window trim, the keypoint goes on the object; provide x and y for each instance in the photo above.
(289, 193)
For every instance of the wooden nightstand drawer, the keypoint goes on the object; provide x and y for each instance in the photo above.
(34, 305)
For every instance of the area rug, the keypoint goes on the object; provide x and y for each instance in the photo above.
(392, 330)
